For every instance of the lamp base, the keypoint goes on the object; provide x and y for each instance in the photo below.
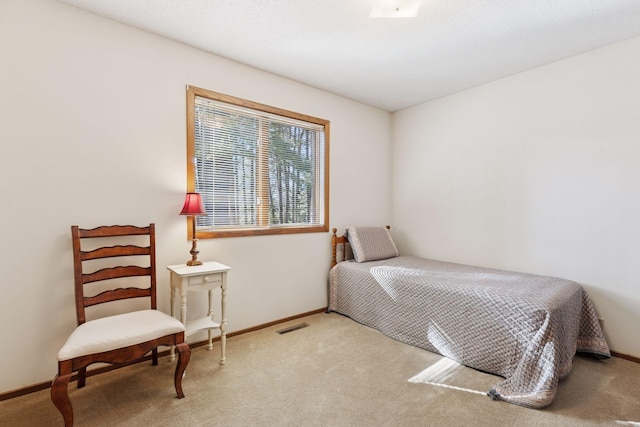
(194, 250)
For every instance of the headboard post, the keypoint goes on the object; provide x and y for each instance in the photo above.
(334, 243)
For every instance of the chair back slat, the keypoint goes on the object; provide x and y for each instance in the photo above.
(116, 273)
(116, 294)
(115, 263)
(113, 251)
(113, 231)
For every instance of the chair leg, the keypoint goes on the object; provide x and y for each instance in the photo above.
(60, 398)
(154, 356)
(184, 354)
(82, 377)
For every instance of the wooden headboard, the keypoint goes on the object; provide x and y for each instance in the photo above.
(335, 241)
(340, 240)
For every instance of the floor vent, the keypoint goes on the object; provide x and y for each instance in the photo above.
(292, 328)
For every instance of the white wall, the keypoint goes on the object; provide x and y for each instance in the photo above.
(538, 172)
(92, 132)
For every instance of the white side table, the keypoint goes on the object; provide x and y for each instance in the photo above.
(208, 276)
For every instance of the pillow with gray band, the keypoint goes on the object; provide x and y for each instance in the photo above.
(371, 243)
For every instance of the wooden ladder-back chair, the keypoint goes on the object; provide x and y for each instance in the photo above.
(121, 338)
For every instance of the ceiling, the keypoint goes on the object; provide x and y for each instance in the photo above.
(390, 63)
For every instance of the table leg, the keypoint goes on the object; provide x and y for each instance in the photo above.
(223, 321)
(210, 314)
(172, 351)
(183, 306)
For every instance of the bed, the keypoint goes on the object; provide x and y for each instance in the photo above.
(525, 328)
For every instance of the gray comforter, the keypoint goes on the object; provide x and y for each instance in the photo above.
(523, 327)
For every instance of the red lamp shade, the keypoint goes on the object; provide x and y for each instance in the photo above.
(193, 205)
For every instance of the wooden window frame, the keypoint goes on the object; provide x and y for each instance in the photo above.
(192, 93)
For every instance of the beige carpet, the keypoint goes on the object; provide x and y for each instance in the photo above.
(334, 372)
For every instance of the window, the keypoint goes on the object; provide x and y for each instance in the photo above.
(259, 169)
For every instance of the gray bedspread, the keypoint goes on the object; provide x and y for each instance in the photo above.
(523, 327)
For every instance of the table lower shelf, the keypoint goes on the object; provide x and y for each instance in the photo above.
(202, 324)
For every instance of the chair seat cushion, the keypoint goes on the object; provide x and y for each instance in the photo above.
(122, 330)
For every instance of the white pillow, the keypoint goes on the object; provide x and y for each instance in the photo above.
(371, 243)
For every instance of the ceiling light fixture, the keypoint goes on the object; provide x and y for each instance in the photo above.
(395, 9)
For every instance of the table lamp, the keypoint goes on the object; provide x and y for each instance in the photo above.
(193, 207)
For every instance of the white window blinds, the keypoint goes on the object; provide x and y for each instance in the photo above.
(256, 169)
